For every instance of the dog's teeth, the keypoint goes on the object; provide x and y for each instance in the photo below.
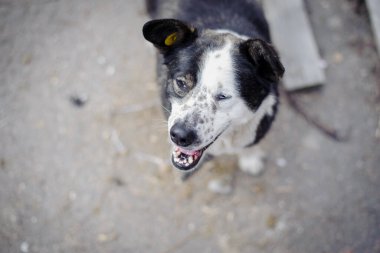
(184, 159)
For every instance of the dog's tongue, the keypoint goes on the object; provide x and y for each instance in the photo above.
(187, 152)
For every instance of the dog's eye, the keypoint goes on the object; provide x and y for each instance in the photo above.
(221, 97)
(180, 87)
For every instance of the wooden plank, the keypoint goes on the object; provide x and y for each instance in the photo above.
(292, 35)
(374, 13)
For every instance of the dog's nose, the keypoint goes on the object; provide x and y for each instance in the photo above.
(181, 135)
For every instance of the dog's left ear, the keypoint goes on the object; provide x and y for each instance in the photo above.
(166, 34)
(265, 58)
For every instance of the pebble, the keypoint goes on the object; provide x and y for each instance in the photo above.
(338, 57)
(110, 70)
(24, 247)
(281, 162)
(102, 238)
(271, 221)
(79, 100)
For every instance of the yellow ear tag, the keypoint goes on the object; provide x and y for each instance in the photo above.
(171, 39)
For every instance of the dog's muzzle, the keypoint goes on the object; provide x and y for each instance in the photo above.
(183, 137)
(182, 157)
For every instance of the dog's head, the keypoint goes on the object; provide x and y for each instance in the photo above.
(215, 78)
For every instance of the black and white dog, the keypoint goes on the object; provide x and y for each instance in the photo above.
(218, 76)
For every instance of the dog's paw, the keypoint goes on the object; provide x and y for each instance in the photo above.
(252, 164)
(220, 185)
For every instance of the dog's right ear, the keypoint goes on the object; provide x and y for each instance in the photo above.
(166, 34)
(265, 58)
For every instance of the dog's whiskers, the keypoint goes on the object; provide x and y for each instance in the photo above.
(160, 124)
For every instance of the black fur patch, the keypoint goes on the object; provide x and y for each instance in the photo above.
(252, 88)
(264, 59)
(264, 126)
(241, 16)
(258, 71)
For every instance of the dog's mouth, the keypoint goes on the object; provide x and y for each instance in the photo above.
(187, 159)
(184, 159)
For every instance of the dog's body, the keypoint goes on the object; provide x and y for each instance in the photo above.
(218, 77)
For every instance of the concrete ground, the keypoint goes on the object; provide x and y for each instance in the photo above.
(84, 153)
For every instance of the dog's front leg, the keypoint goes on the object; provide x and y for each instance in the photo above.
(251, 160)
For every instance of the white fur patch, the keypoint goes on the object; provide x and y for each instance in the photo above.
(217, 72)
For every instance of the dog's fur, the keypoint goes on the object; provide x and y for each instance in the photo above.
(218, 76)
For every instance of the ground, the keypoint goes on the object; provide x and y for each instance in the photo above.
(84, 151)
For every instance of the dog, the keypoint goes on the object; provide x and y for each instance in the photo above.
(218, 76)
